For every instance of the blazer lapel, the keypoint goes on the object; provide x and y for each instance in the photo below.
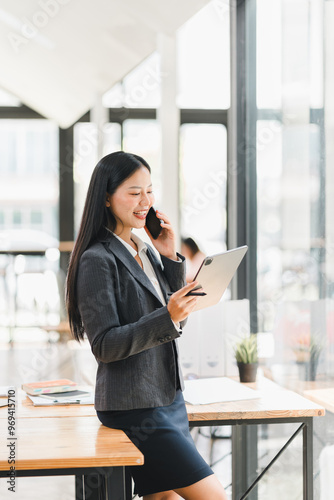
(158, 271)
(118, 249)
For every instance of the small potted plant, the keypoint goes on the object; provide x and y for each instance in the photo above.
(245, 352)
(307, 350)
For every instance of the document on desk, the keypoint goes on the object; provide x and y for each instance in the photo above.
(216, 390)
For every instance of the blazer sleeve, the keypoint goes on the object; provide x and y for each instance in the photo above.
(97, 289)
(175, 273)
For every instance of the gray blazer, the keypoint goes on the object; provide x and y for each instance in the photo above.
(130, 331)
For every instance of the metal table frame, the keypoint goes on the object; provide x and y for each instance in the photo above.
(240, 488)
(91, 483)
(109, 483)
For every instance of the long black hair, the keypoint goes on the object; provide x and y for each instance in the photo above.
(110, 172)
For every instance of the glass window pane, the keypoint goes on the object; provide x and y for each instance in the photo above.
(316, 53)
(86, 157)
(293, 188)
(277, 43)
(327, 156)
(8, 163)
(36, 217)
(139, 89)
(143, 138)
(289, 216)
(29, 173)
(203, 185)
(204, 58)
(269, 53)
(29, 194)
(17, 217)
(295, 198)
(111, 138)
(142, 85)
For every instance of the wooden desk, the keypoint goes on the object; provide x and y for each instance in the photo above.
(321, 391)
(324, 397)
(293, 383)
(26, 409)
(280, 404)
(62, 443)
(82, 447)
(275, 406)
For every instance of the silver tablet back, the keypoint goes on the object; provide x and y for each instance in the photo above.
(215, 275)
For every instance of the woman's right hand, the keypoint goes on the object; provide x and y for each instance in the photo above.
(180, 305)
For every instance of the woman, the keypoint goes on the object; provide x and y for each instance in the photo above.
(117, 292)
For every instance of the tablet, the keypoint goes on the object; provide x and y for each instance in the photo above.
(215, 274)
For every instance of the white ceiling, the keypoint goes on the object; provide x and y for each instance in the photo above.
(58, 55)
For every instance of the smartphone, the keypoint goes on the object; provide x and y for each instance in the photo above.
(153, 223)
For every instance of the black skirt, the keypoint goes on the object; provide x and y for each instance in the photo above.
(171, 459)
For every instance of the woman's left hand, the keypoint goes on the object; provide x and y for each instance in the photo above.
(165, 243)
